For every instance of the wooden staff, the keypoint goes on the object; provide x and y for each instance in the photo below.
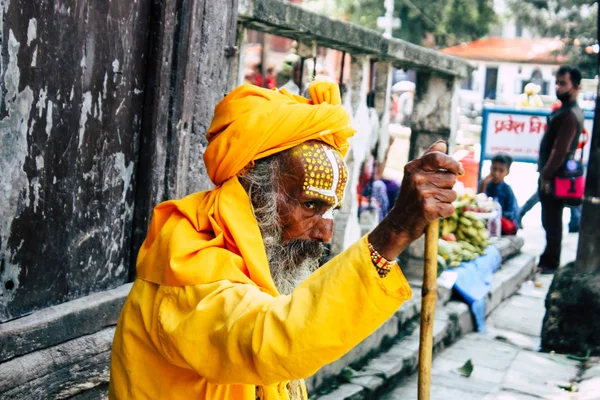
(429, 296)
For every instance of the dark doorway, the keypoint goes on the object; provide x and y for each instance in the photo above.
(491, 83)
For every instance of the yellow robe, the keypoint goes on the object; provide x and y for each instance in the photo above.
(220, 340)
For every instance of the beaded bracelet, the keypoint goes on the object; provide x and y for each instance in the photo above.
(382, 265)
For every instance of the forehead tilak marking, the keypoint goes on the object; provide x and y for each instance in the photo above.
(332, 184)
(338, 179)
(325, 175)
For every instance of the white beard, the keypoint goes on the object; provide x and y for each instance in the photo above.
(287, 272)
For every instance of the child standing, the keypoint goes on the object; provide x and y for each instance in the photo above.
(494, 186)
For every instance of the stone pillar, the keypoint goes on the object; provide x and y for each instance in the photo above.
(434, 117)
(346, 226)
(434, 113)
(383, 97)
(238, 53)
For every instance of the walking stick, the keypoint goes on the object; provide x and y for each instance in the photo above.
(429, 295)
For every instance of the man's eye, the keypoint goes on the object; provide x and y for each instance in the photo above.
(311, 205)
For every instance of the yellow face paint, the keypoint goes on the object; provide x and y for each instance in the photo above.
(325, 174)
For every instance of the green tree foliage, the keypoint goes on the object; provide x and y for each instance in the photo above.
(573, 21)
(360, 12)
(444, 23)
(435, 23)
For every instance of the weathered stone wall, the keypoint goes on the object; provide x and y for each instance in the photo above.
(104, 115)
(192, 65)
(72, 78)
(434, 114)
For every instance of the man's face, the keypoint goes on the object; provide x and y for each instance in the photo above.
(312, 184)
(498, 172)
(565, 91)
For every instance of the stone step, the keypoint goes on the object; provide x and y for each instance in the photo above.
(452, 320)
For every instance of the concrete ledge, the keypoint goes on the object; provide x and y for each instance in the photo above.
(60, 323)
(452, 321)
(59, 372)
(508, 246)
(284, 19)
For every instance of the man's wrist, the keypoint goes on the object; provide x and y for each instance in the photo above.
(381, 264)
(388, 241)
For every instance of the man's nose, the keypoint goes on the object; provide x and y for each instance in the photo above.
(323, 230)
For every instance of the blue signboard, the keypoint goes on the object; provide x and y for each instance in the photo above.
(518, 132)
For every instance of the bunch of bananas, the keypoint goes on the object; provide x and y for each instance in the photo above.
(467, 228)
(451, 254)
(464, 236)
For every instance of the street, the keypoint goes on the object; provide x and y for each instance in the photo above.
(506, 362)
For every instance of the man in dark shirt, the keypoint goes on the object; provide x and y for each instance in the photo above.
(559, 141)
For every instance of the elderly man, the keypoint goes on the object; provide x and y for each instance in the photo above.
(229, 302)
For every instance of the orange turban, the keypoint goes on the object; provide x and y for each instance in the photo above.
(253, 123)
(213, 235)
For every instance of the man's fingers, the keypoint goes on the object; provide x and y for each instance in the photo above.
(440, 146)
(435, 209)
(446, 210)
(439, 180)
(435, 161)
(445, 195)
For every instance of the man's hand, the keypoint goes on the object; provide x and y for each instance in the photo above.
(425, 195)
(545, 185)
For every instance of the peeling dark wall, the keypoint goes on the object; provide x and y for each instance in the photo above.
(72, 80)
(192, 64)
(104, 107)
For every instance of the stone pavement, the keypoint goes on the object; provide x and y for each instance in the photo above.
(506, 362)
